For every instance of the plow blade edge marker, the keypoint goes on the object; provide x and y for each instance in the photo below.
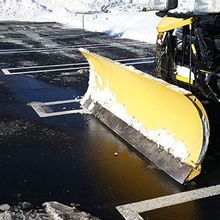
(165, 123)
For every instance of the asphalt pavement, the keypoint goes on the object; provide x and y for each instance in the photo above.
(50, 150)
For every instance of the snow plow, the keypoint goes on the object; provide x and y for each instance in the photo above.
(159, 115)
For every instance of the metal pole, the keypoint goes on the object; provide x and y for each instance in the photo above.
(83, 22)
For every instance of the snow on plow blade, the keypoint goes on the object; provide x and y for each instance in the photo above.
(166, 124)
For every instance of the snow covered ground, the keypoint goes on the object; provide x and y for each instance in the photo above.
(116, 17)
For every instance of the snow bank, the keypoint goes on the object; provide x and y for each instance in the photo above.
(124, 20)
(28, 10)
(141, 25)
(35, 9)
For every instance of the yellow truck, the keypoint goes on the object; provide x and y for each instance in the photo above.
(161, 115)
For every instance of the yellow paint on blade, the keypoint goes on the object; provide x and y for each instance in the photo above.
(154, 103)
(170, 23)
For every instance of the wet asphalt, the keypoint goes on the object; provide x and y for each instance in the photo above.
(71, 158)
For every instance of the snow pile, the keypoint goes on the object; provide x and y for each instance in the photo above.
(83, 6)
(141, 26)
(44, 9)
(60, 211)
(28, 10)
(49, 210)
(123, 19)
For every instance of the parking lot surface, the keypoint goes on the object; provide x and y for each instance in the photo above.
(51, 150)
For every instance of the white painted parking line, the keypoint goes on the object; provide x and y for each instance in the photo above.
(46, 66)
(135, 59)
(131, 211)
(43, 49)
(43, 108)
(140, 62)
(6, 72)
(73, 66)
(64, 36)
(75, 47)
(63, 101)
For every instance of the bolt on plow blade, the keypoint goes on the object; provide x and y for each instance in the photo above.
(166, 124)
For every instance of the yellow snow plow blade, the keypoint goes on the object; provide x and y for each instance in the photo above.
(166, 124)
